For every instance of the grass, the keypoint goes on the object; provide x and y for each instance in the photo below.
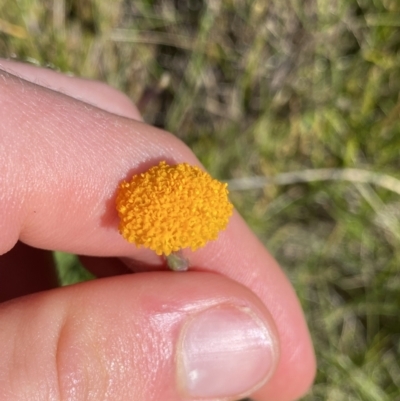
(262, 88)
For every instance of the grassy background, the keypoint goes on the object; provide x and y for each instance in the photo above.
(258, 88)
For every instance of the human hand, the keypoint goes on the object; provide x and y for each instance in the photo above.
(228, 328)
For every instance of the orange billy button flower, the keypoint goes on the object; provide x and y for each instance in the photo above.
(169, 208)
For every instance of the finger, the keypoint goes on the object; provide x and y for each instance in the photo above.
(14, 282)
(132, 336)
(59, 156)
(70, 160)
(25, 270)
(95, 93)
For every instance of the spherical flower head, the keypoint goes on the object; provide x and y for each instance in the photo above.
(169, 208)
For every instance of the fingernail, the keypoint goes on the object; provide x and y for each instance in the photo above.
(225, 351)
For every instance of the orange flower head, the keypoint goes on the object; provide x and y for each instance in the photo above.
(169, 208)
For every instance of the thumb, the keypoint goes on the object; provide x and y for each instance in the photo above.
(130, 337)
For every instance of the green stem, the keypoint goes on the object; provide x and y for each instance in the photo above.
(177, 262)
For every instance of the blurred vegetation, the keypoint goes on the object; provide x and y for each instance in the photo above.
(258, 88)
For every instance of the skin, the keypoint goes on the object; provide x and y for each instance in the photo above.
(65, 144)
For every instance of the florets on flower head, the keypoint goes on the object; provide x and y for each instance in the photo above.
(169, 208)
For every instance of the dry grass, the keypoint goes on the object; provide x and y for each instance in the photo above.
(261, 88)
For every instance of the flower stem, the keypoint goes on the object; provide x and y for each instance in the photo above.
(177, 262)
